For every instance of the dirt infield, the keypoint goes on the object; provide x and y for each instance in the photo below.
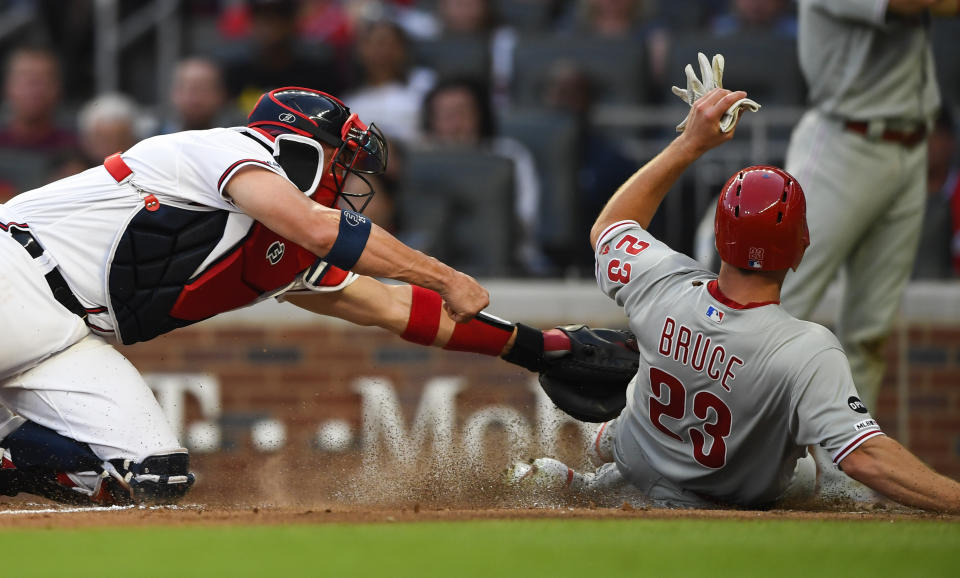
(33, 515)
(287, 488)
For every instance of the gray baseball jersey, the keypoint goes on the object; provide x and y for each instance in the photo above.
(728, 396)
(861, 63)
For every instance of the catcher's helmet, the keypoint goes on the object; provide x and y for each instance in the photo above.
(323, 118)
(761, 221)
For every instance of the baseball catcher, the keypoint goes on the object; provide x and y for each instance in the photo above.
(182, 227)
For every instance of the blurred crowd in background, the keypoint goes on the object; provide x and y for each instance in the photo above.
(498, 162)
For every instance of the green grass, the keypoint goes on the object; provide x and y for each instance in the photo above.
(526, 548)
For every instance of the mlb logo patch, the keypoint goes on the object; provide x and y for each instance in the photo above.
(865, 424)
(755, 257)
(714, 314)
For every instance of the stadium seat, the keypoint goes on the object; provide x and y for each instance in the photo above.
(454, 56)
(23, 170)
(683, 14)
(458, 206)
(201, 36)
(766, 66)
(552, 138)
(616, 65)
(525, 16)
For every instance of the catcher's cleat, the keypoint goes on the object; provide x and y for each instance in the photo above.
(158, 479)
(91, 488)
(37, 460)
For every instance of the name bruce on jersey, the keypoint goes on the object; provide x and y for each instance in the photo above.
(675, 343)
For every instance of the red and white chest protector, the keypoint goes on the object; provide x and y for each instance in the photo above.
(154, 283)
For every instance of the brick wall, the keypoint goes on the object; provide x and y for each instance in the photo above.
(932, 358)
(304, 375)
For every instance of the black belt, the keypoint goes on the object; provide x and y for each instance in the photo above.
(61, 291)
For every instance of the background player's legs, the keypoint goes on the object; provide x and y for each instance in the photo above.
(830, 164)
(864, 207)
(880, 266)
(852, 186)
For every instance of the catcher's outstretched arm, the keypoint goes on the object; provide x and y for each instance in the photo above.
(585, 372)
(415, 314)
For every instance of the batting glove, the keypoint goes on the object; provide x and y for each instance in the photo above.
(712, 75)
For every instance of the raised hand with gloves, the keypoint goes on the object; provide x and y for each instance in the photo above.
(712, 77)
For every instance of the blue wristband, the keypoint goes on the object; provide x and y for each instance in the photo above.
(352, 238)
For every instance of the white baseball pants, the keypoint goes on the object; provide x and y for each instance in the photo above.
(54, 372)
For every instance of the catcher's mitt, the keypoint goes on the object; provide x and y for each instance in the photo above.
(590, 383)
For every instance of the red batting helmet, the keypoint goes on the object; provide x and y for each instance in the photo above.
(761, 220)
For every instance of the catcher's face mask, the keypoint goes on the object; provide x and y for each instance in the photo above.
(363, 152)
(315, 117)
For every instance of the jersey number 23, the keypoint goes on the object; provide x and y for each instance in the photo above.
(670, 399)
